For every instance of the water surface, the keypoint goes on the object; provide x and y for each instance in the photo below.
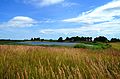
(48, 43)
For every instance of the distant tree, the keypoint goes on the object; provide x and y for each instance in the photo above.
(77, 38)
(32, 39)
(67, 39)
(37, 39)
(42, 39)
(115, 40)
(101, 39)
(71, 39)
(74, 39)
(60, 39)
(90, 39)
(51, 40)
(82, 38)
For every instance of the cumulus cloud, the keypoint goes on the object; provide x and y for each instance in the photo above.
(43, 2)
(19, 21)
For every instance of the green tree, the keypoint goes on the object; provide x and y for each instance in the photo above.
(101, 39)
(60, 39)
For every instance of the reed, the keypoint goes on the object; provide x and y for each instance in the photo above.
(37, 62)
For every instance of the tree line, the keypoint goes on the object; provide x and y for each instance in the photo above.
(80, 39)
(71, 39)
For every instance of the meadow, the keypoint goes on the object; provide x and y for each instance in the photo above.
(40, 62)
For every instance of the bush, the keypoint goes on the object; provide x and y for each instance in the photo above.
(92, 45)
(80, 46)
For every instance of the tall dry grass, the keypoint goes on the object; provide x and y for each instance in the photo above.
(34, 62)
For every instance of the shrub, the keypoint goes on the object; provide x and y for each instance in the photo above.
(80, 46)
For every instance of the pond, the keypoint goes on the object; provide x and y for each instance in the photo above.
(48, 43)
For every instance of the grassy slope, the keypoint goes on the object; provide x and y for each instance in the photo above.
(37, 62)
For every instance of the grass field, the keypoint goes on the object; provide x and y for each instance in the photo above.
(38, 62)
(116, 45)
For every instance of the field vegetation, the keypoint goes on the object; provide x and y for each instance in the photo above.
(39, 62)
(93, 45)
(115, 45)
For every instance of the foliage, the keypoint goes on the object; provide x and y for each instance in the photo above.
(78, 39)
(115, 40)
(80, 46)
(101, 39)
(35, 39)
(92, 45)
(60, 39)
(69, 39)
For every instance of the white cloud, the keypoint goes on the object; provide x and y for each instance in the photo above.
(43, 2)
(106, 12)
(50, 2)
(110, 29)
(69, 4)
(104, 20)
(19, 21)
(66, 31)
(48, 21)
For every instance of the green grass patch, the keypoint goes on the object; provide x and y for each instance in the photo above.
(93, 45)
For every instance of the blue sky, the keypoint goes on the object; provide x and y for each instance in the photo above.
(23, 19)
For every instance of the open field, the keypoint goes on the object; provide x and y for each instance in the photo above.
(38, 62)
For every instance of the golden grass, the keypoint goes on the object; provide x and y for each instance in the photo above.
(37, 62)
(116, 45)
